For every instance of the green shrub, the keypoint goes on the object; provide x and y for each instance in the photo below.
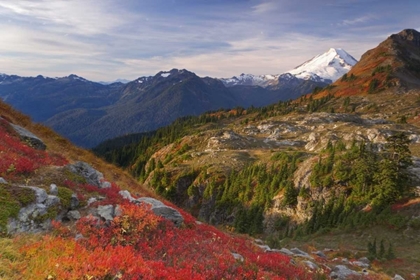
(65, 195)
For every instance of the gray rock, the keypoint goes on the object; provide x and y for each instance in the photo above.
(320, 254)
(40, 209)
(79, 236)
(364, 260)
(53, 189)
(153, 202)
(40, 194)
(91, 200)
(2, 181)
(126, 195)
(238, 257)
(73, 215)
(26, 219)
(169, 213)
(286, 252)
(52, 200)
(345, 260)
(92, 176)
(105, 185)
(300, 253)
(342, 272)
(311, 265)
(117, 211)
(29, 137)
(360, 264)
(397, 277)
(106, 212)
(74, 202)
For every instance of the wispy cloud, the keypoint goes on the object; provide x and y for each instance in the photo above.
(358, 20)
(264, 7)
(77, 16)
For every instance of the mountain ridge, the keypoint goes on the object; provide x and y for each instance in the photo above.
(84, 111)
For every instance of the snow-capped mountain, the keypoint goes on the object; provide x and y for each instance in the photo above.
(327, 67)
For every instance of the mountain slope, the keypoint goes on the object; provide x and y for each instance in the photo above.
(43, 98)
(144, 106)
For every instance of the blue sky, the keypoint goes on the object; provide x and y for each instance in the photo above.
(110, 39)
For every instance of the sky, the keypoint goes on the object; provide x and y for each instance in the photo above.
(103, 40)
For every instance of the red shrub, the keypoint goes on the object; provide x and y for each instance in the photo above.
(17, 158)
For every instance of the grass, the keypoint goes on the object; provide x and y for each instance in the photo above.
(10, 259)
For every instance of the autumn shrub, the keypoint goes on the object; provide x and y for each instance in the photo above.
(139, 245)
(18, 158)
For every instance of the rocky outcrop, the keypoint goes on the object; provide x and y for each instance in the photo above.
(106, 212)
(227, 140)
(157, 207)
(28, 137)
(92, 176)
(342, 272)
(73, 215)
(36, 216)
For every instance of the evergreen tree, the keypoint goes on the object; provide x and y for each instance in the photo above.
(390, 254)
(381, 250)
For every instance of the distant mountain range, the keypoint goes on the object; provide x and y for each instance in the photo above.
(88, 112)
(326, 67)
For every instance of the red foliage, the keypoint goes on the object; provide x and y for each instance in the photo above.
(140, 245)
(19, 159)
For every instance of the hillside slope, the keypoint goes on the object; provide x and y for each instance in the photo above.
(88, 227)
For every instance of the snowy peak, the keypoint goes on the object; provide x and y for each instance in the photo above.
(329, 66)
(325, 68)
